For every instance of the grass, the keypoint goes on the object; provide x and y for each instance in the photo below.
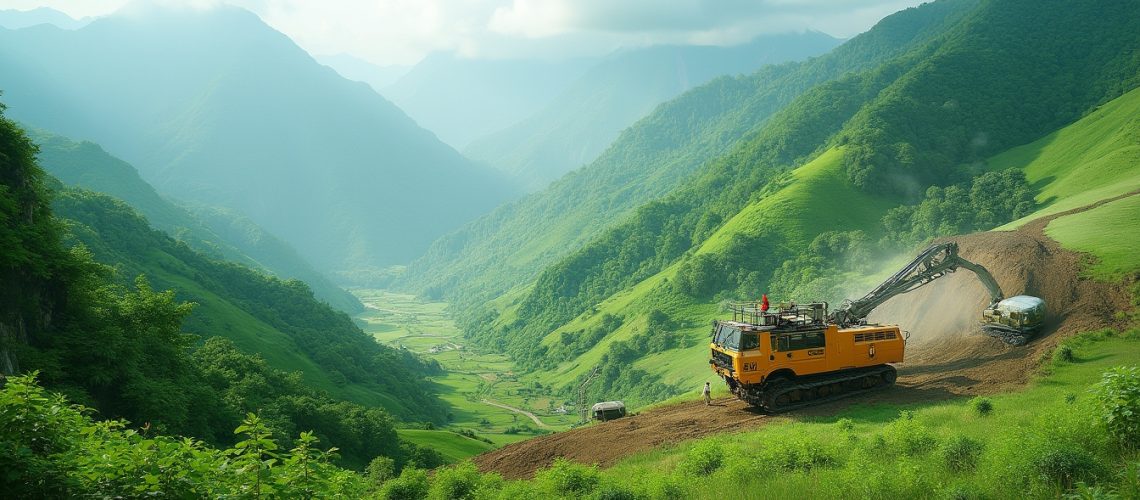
(471, 374)
(452, 446)
(1111, 233)
(1095, 158)
(931, 450)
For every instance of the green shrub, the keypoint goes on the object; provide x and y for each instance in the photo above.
(704, 459)
(960, 453)
(982, 406)
(411, 485)
(845, 424)
(909, 436)
(379, 470)
(461, 481)
(611, 492)
(1063, 354)
(568, 478)
(1065, 466)
(801, 455)
(1118, 399)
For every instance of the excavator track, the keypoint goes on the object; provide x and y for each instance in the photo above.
(781, 395)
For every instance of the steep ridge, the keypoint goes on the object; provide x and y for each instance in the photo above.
(509, 247)
(645, 262)
(215, 107)
(279, 320)
(579, 123)
(88, 166)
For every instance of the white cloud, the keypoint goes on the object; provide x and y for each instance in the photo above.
(403, 31)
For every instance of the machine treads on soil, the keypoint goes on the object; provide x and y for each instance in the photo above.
(786, 395)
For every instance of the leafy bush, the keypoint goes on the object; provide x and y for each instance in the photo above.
(960, 453)
(568, 478)
(411, 485)
(982, 406)
(1118, 398)
(611, 492)
(462, 481)
(1063, 354)
(1066, 465)
(704, 459)
(845, 424)
(801, 454)
(909, 436)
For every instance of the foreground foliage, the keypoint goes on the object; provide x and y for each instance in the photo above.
(1055, 439)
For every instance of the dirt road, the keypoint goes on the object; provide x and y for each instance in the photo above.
(947, 355)
(536, 420)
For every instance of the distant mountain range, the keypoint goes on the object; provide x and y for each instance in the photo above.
(463, 99)
(16, 19)
(578, 124)
(216, 108)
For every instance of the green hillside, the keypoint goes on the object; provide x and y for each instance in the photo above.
(714, 239)
(1093, 159)
(655, 156)
(214, 231)
(279, 320)
(452, 446)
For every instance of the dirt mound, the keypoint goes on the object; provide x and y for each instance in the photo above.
(947, 355)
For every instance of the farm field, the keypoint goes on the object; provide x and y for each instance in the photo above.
(478, 385)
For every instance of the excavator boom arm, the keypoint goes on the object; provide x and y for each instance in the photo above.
(931, 264)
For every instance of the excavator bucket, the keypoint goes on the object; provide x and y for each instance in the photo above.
(1014, 320)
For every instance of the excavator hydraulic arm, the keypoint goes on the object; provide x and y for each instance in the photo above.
(1011, 320)
(931, 264)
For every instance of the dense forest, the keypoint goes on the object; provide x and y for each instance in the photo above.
(81, 314)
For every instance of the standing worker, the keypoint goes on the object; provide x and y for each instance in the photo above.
(707, 393)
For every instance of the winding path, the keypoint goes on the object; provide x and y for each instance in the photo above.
(537, 422)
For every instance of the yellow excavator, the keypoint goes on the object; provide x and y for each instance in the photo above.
(788, 357)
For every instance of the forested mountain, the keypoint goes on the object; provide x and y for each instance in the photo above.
(215, 107)
(104, 336)
(509, 247)
(461, 99)
(213, 231)
(578, 124)
(829, 165)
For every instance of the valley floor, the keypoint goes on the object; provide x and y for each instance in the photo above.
(486, 396)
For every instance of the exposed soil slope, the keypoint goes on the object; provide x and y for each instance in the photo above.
(947, 354)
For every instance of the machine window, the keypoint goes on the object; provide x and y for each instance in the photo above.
(797, 341)
(749, 341)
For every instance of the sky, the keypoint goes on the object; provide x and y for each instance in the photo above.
(401, 32)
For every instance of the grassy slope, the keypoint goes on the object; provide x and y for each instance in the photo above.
(1110, 232)
(452, 446)
(1021, 425)
(816, 198)
(1095, 158)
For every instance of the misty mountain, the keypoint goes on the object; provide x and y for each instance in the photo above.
(359, 70)
(660, 153)
(214, 107)
(16, 19)
(578, 124)
(463, 99)
(215, 232)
